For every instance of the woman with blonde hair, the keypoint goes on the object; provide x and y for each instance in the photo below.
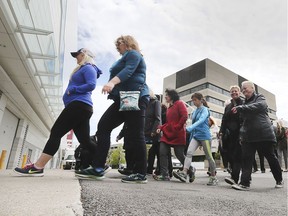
(127, 74)
(76, 114)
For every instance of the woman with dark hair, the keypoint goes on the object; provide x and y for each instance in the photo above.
(199, 136)
(173, 133)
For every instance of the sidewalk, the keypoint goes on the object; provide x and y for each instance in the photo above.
(57, 193)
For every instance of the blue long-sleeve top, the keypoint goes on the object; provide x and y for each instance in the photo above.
(81, 85)
(131, 70)
(199, 129)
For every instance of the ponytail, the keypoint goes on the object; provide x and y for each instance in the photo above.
(200, 97)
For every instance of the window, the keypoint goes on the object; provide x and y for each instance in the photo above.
(191, 74)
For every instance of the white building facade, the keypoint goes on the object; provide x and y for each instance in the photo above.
(33, 42)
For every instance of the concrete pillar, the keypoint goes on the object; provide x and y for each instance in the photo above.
(16, 155)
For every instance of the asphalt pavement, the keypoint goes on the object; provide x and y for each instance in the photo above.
(60, 193)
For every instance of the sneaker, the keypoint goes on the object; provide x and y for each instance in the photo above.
(182, 176)
(240, 187)
(135, 178)
(213, 181)
(125, 171)
(91, 173)
(107, 168)
(230, 181)
(191, 174)
(161, 178)
(29, 170)
(279, 184)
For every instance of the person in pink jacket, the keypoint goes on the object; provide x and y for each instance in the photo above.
(173, 132)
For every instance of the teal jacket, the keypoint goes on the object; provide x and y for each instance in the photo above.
(200, 129)
(131, 70)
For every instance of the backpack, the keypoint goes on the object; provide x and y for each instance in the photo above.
(83, 156)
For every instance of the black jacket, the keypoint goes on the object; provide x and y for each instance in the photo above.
(152, 116)
(257, 126)
(231, 122)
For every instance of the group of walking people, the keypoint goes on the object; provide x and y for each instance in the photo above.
(245, 127)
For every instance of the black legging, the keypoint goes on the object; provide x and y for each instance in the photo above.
(134, 121)
(75, 116)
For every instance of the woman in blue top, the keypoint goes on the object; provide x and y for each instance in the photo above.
(199, 136)
(76, 114)
(127, 74)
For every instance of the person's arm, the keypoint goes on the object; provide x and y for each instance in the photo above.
(90, 81)
(157, 116)
(132, 60)
(258, 106)
(202, 118)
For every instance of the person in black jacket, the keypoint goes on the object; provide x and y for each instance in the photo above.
(229, 132)
(256, 132)
(152, 121)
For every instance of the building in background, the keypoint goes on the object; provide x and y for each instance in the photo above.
(213, 81)
(33, 43)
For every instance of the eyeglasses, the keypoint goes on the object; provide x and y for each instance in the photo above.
(118, 43)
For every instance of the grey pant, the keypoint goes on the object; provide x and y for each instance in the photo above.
(284, 152)
(194, 144)
(164, 151)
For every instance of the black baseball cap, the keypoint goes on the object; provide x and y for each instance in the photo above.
(83, 50)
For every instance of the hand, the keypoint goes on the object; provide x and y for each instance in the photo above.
(152, 134)
(158, 131)
(234, 110)
(107, 88)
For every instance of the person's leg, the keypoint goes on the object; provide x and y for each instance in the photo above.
(248, 156)
(193, 145)
(279, 153)
(135, 121)
(164, 151)
(207, 149)
(130, 161)
(170, 165)
(285, 158)
(261, 158)
(237, 154)
(151, 156)
(111, 119)
(68, 119)
(255, 167)
(268, 152)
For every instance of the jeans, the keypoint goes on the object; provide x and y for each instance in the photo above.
(75, 116)
(134, 121)
(153, 151)
(248, 155)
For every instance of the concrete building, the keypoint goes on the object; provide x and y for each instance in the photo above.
(32, 48)
(213, 81)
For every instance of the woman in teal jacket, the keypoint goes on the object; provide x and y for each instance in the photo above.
(200, 136)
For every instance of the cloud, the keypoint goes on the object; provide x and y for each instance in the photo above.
(247, 37)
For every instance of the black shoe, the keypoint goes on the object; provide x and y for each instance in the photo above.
(135, 178)
(262, 171)
(125, 171)
(279, 184)
(92, 173)
(191, 173)
(29, 170)
(230, 181)
(240, 187)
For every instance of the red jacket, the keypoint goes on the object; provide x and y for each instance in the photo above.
(174, 132)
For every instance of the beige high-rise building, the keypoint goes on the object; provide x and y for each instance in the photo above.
(213, 81)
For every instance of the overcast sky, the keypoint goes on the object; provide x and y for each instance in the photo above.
(246, 37)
